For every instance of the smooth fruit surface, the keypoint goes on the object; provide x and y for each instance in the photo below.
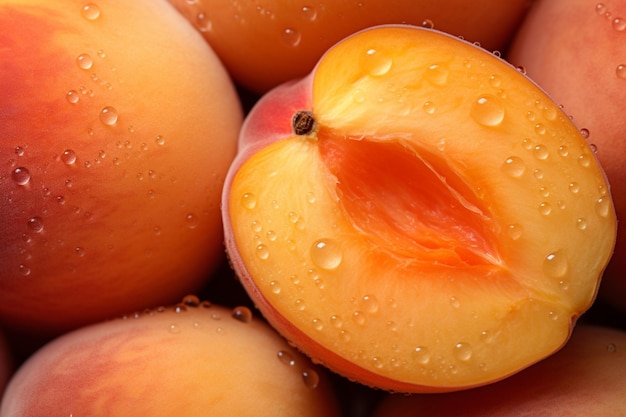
(416, 214)
(576, 51)
(265, 43)
(586, 378)
(117, 126)
(193, 359)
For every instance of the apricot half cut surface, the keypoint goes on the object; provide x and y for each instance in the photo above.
(416, 214)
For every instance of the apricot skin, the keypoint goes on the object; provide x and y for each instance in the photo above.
(574, 50)
(585, 378)
(191, 361)
(117, 126)
(264, 44)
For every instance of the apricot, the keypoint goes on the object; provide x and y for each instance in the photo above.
(417, 214)
(117, 126)
(266, 43)
(192, 359)
(575, 49)
(585, 378)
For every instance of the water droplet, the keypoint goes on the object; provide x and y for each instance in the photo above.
(358, 317)
(358, 96)
(291, 37)
(285, 357)
(68, 157)
(300, 305)
(538, 174)
(19, 151)
(84, 61)
(581, 223)
(429, 107)
(21, 175)
(463, 352)
(191, 220)
(336, 321)
(487, 111)
(309, 13)
(311, 378)
(619, 24)
(574, 188)
(494, 80)
(421, 355)
(90, 11)
(79, 251)
(555, 264)
(326, 253)
(515, 231)
(376, 63)
(159, 140)
(248, 200)
(293, 217)
(437, 74)
(310, 197)
(621, 71)
(317, 324)
(601, 9)
(563, 151)
(454, 302)
(540, 129)
(101, 53)
(108, 116)
(35, 224)
(544, 191)
(540, 152)
(514, 167)
(603, 206)
(428, 24)
(191, 300)
(611, 347)
(262, 252)
(242, 314)
(275, 287)
(584, 132)
(23, 269)
(72, 96)
(203, 23)
(545, 208)
(550, 113)
(173, 328)
(370, 304)
(584, 160)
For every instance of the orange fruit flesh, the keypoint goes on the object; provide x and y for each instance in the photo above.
(442, 226)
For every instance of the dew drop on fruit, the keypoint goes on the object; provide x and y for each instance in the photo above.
(574, 187)
(242, 314)
(84, 61)
(21, 176)
(555, 264)
(621, 71)
(601, 9)
(584, 160)
(68, 157)
(376, 63)
(495, 80)
(317, 324)
(191, 300)
(248, 201)
(463, 352)
(454, 302)
(487, 111)
(545, 208)
(300, 305)
(108, 116)
(421, 355)
(275, 287)
(191, 220)
(581, 223)
(540, 152)
(514, 167)
(262, 252)
(358, 317)
(358, 96)
(311, 378)
(285, 357)
(310, 197)
(336, 321)
(203, 23)
(173, 328)
(72, 96)
(326, 253)
(429, 107)
(603, 206)
(309, 13)
(619, 24)
(291, 37)
(437, 74)
(24, 270)
(515, 231)
(370, 304)
(159, 140)
(90, 11)
(35, 224)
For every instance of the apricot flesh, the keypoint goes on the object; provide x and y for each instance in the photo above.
(192, 359)
(440, 225)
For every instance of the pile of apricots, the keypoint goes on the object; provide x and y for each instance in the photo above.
(362, 208)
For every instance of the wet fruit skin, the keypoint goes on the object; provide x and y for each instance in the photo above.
(192, 360)
(440, 225)
(567, 44)
(266, 43)
(585, 378)
(117, 126)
